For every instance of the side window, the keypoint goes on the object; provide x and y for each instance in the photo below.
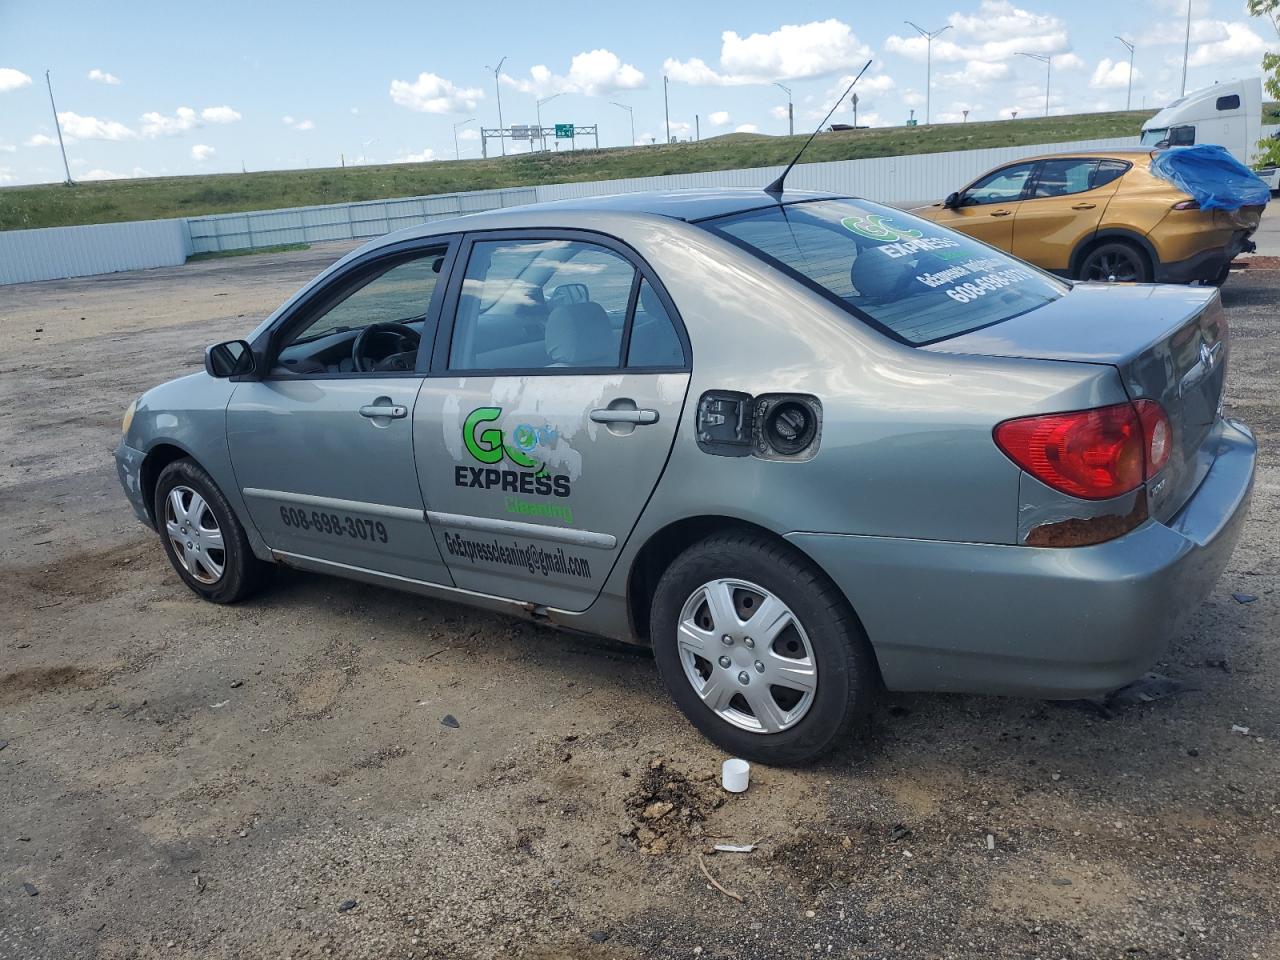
(535, 304)
(1230, 102)
(654, 341)
(397, 298)
(1003, 186)
(1061, 178)
(1108, 170)
(1182, 136)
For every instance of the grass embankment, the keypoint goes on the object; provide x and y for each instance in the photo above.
(54, 205)
(221, 254)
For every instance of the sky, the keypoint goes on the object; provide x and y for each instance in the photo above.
(156, 89)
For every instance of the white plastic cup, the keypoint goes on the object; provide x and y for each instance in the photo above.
(735, 774)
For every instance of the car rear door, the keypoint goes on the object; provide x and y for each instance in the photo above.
(557, 385)
(1063, 207)
(987, 207)
(322, 451)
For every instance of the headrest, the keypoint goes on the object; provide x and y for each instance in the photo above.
(875, 275)
(580, 335)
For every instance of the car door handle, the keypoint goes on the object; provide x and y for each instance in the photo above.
(391, 412)
(1083, 206)
(1000, 213)
(605, 415)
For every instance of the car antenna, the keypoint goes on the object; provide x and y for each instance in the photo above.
(775, 189)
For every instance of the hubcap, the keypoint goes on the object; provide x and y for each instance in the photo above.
(194, 534)
(747, 656)
(1112, 268)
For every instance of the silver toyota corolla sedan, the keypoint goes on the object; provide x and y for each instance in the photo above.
(805, 446)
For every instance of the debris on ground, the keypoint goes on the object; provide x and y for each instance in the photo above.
(702, 865)
(451, 721)
(236, 683)
(1236, 728)
(31, 890)
(1243, 597)
(667, 809)
(1146, 689)
(734, 848)
(346, 905)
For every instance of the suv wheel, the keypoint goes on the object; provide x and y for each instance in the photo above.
(759, 649)
(202, 537)
(1115, 262)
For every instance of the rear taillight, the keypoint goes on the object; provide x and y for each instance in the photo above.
(1186, 205)
(1092, 454)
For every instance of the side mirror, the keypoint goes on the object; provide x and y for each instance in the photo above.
(570, 293)
(952, 201)
(231, 359)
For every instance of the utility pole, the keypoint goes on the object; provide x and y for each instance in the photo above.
(457, 154)
(966, 116)
(1128, 97)
(666, 106)
(697, 126)
(854, 101)
(928, 68)
(538, 108)
(627, 107)
(1048, 65)
(58, 126)
(791, 114)
(497, 87)
(1186, 50)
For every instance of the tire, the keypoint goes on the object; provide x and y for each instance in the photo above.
(1222, 276)
(754, 575)
(226, 574)
(1115, 262)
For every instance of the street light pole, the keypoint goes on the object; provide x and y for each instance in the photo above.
(628, 108)
(666, 106)
(457, 155)
(57, 125)
(791, 114)
(1128, 97)
(1186, 50)
(538, 106)
(497, 88)
(928, 67)
(1048, 66)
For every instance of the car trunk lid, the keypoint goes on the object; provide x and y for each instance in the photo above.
(1169, 344)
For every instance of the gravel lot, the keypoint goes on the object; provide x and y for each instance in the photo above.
(183, 780)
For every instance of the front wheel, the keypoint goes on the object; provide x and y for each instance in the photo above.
(1115, 262)
(202, 536)
(759, 649)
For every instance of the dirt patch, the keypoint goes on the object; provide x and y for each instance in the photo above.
(33, 682)
(668, 810)
(92, 575)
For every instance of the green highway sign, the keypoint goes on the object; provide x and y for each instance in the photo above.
(564, 131)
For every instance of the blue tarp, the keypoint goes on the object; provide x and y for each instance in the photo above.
(1216, 179)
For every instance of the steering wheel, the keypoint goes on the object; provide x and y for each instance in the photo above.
(409, 337)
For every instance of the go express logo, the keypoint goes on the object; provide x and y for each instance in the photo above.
(490, 446)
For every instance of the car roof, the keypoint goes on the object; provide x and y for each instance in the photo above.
(1131, 154)
(689, 205)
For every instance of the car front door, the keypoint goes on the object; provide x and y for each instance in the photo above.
(550, 413)
(1063, 207)
(987, 207)
(322, 444)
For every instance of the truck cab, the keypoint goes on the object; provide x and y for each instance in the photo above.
(1228, 114)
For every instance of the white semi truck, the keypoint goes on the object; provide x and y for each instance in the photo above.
(1228, 114)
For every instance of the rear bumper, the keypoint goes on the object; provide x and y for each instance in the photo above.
(1055, 623)
(129, 470)
(1205, 265)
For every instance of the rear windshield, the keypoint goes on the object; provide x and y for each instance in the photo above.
(912, 279)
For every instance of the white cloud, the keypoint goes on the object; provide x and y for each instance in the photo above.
(778, 113)
(11, 79)
(594, 73)
(1240, 44)
(202, 152)
(433, 94)
(76, 127)
(1112, 75)
(295, 124)
(976, 73)
(355, 111)
(40, 140)
(998, 31)
(158, 125)
(469, 134)
(8, 148)
(746, 128)
(6, 175)
(721, 117)
(101, 76)
(815, 49)
(222, 114)
(1068, 61)
(424, 157)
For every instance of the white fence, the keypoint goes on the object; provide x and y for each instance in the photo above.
(56, 252)
(59, 252)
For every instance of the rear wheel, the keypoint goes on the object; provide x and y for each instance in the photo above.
(759, 649)
(202, 537)
(1115, 262)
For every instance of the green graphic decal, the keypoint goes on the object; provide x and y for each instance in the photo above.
(488, 445)
(875, 226)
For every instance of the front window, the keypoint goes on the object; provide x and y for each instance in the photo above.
(1003, 186)
(915, 280)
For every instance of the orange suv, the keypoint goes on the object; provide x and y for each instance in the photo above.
(1099, 216)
